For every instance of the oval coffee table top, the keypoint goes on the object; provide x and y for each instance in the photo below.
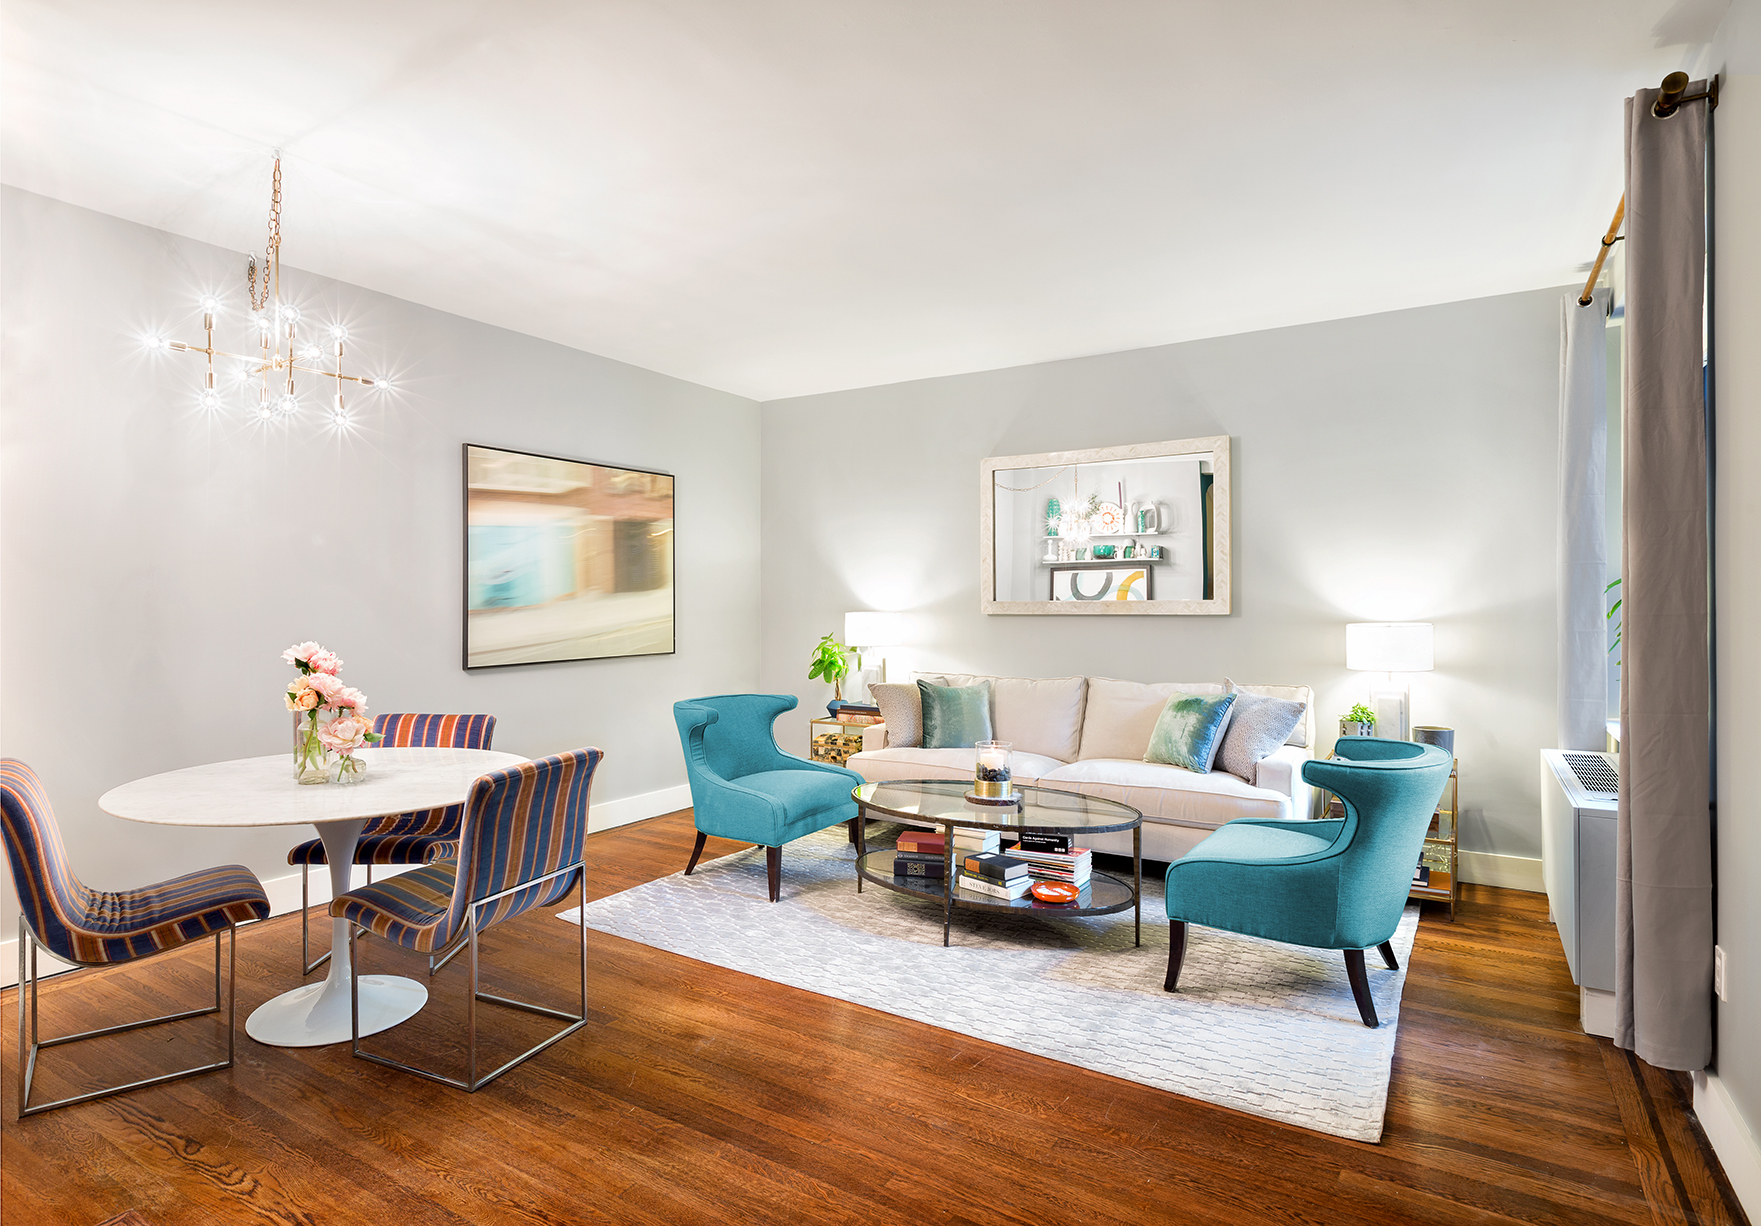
(262, 791)
(944, 801)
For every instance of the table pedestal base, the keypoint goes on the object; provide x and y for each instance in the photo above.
(308, 1017)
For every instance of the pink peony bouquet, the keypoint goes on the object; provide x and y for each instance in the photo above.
(329, 716)
(311, 658)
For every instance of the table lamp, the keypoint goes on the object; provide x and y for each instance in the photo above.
(1391, 648)
(863, 633)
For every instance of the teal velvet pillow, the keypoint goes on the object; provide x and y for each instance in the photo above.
(1190, 731)
(954, 717)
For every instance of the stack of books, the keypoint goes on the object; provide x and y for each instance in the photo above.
(1054, 857)
(995, 874)
(858, 713)
(921, 854)
(967, 841)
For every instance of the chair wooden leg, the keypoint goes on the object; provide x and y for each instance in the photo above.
(696, 851)
(1387, 952)
(1360, 986)
(773, 869)
(1176, 954)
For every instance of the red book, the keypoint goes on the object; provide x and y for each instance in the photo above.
(923, 840)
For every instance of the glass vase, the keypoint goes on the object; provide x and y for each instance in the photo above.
(311, 759)
(350, 769)
(991, 774)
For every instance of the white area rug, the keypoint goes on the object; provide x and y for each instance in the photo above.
(1260, 1027)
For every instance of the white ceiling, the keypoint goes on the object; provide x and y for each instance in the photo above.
(778, 197)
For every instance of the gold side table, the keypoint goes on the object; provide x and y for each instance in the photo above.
(834, 740)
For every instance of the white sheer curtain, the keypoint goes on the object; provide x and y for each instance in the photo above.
(1583, 509)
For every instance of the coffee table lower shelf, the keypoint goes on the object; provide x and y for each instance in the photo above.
(1104, 894)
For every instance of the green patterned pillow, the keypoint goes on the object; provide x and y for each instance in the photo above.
(955, 717)
(1190, 731)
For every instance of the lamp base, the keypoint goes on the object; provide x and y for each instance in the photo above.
(1391, 714)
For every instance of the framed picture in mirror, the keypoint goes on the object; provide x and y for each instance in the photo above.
(1141, 529)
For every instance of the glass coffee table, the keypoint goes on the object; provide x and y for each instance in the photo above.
(942, 802)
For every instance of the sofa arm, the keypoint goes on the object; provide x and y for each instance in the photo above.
(1281, 771)
(874, 737)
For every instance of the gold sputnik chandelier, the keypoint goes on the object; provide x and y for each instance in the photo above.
(277, 323)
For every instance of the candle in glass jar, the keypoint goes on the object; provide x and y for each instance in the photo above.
(993, 759)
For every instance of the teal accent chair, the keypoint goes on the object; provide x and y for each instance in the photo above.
(743, 787)
(1338, 884)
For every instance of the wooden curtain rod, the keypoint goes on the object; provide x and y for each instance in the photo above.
(1608, 240)
(1671, 95)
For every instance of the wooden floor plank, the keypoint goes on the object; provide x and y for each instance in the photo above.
(700, 1094)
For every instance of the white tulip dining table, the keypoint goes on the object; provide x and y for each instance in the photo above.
(262, 792)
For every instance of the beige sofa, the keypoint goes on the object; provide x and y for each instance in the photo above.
(1088, 735)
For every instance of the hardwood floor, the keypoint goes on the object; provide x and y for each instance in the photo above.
(697, 1094)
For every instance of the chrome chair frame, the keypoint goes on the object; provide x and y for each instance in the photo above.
(468, 941)
(31, 1042)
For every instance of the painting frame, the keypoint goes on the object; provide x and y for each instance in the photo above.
(580, 490)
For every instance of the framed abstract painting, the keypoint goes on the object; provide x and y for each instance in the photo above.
(1103, 581)
(565, 559)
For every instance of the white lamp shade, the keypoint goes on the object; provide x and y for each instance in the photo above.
(1388, 647)
(872, 629)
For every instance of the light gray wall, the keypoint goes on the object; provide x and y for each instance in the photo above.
(1738, 327)
(1390, 467)
(157, 558)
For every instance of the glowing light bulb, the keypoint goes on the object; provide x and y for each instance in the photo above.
(338, 332)
(158, 343)
(291, 314)
(263, 322)
(288, 405)
(211, 305)
(210, 399)
(311, 353)
(264, 412)
(382, 383)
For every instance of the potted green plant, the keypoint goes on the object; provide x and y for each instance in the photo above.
(1359, 721)
(830, 662)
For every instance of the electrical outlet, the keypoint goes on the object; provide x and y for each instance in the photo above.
(1718, 972)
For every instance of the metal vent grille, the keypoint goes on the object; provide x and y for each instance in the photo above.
(1593, 772)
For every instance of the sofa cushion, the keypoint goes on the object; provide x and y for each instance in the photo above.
(1303, 735)
(1190, 730)
(1041, 715)
(877, 765)
(1120, 715)
(1168, 794)
(955, 717)
(1257, 726)
(901, 708)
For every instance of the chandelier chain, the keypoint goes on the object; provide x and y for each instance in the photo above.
(271, 248)
(1026, 488)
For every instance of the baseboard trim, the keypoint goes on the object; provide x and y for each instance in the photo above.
(284, 891)
(608, 814)
(1510, 872)
(1732, 1140)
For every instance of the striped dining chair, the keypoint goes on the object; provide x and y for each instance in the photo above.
(519, 847)
(402, 838)
(62, 917)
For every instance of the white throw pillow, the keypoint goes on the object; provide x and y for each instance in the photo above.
(902, 712)
(1034, 714)
(1302, 736)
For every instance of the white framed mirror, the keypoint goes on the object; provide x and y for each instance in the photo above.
(1109, 531)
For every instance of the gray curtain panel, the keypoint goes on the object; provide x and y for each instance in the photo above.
(1583, 509)
(1663, 950)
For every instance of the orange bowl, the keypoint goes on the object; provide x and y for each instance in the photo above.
(1054, 891)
